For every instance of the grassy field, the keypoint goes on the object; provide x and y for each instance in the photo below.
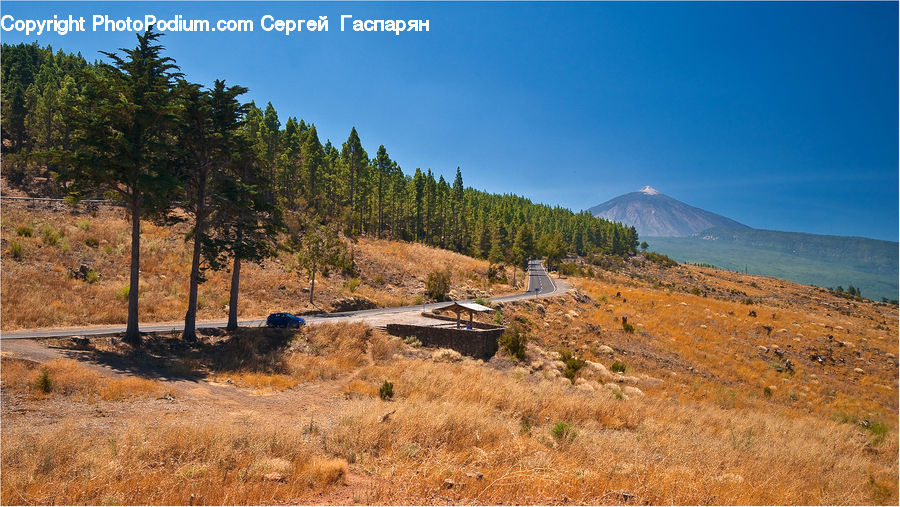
(722, 388)
(42, 248)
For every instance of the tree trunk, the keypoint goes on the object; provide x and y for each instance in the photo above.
(190, 318)
(514, 275)
(312, 288)
(132, 333)
(233, 298)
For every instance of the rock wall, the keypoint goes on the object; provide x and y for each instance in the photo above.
(477, 343)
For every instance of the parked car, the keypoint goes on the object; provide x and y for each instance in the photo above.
(283, 319)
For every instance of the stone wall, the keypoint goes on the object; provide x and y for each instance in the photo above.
(477, 343)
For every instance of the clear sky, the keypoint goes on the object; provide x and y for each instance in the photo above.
(781, 116)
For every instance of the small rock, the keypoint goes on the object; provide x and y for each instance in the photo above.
(585, 387)
(475, 475)
(605, 349)
(274, 477)
(632, 391)
(858, 370)
(449, 483)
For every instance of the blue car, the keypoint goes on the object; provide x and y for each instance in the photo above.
(282, 319)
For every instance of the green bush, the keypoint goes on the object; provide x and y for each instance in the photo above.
(437, 285)
(16, 250)
(573, 364)
(50, 236)
(84, 225)
(24, 231)
(386, 391)
(525, 425)
(92, 276)
(481, 301)
(563, 432)
(514, 340)
(628, 328)
(352, 284)
(44, 383)
(92, 242)
(618, 367)
(123, 292)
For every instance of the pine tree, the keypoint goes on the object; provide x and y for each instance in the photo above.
(125, 126)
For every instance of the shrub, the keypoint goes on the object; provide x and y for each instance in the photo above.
(123, 292)
(16, 250)
(514, 340)
(767, 391)
(352, 284)
(498, 317)
(418, 300)
(84, 225)
(618, 367)
(44, 383)
(481, 301)
(563, 432)
(92, 276)
(663, 260)
(50, 236)
(628, 328)
(573, 364)
(92, 242)
(437, 285)
(525, 426)
(386, 391)
(24, 231)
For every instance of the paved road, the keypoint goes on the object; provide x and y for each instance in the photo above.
(539, 286)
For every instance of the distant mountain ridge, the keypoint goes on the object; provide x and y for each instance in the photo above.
(656, 214)
(689, 234)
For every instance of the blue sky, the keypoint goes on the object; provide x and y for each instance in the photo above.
(780, 116)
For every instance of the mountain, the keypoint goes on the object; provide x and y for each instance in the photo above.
(693, 235)
(656, 214)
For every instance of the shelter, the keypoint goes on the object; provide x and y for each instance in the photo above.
(470, 308)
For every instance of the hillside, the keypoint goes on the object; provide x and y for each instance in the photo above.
(656, 214)
(40, 290)
(689, 234)
(826, 261)
(729, 389)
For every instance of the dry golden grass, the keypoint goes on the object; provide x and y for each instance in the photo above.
(322, 352)
(718, 424)
(453, 421)
(392, 274)
(72, 379)
(236, 460)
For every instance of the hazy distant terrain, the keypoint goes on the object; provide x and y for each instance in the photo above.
(690, 234)
(826, 261)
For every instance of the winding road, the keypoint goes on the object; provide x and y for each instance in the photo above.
(540, 285)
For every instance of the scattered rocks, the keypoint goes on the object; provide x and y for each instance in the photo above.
(632, 391)
(605, 349)
(82, 272)
(581, 297)
(350, 304)
(475, 475)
